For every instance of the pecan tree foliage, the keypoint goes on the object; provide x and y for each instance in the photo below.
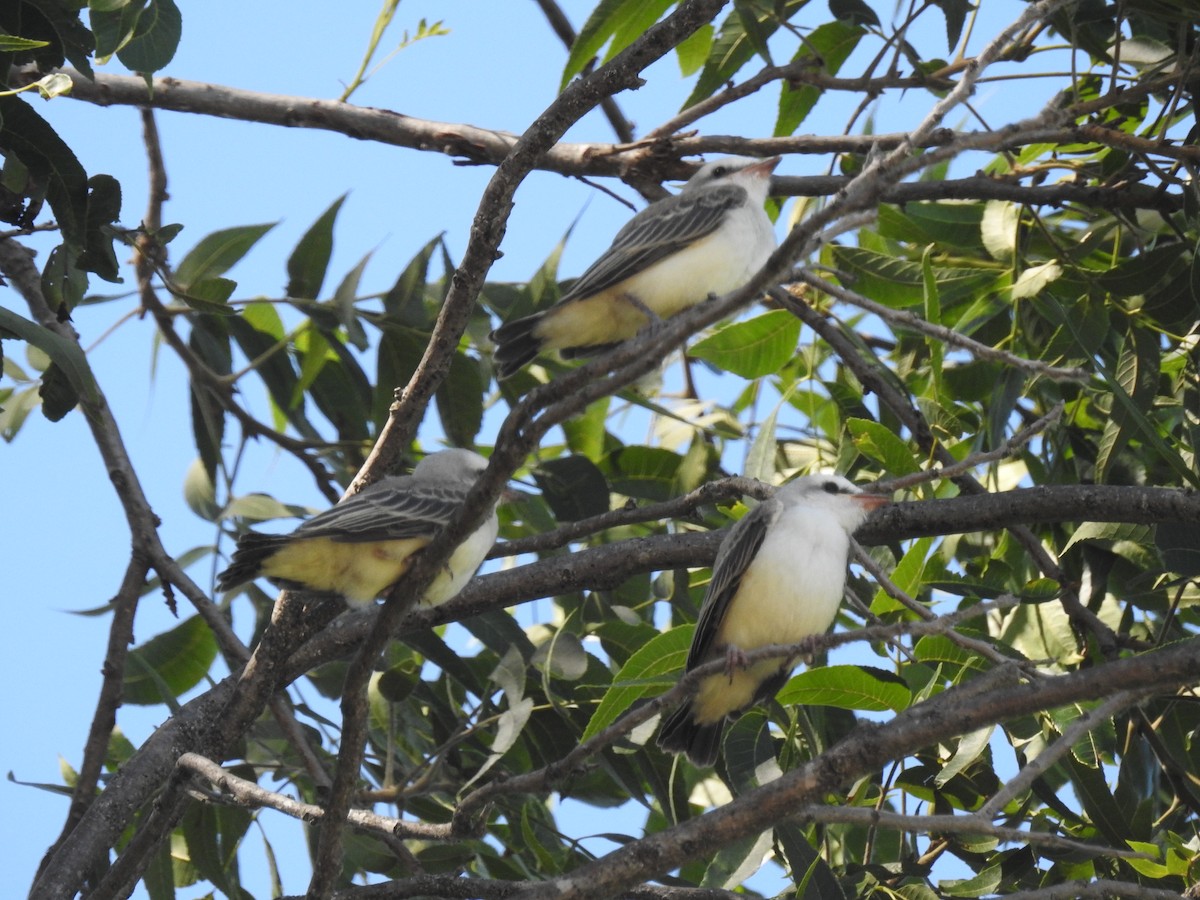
(998, 304)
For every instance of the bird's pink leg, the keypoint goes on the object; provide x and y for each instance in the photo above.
(735, 660)
(653, 320)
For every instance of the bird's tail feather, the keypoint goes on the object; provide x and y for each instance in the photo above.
(680, 733)
(516, 345)
(252, 551)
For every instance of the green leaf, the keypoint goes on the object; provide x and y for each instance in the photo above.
(1036, 279)
(938, 650)
(64, 283)
(644, 673)
(1109, 533)
(883, 445)
(15, 409)
(10, 43)
(209, 341)
(955, 223)
(586, 431)
(933, 313)
(693, 50)
(37, 145)
(1098, 801)
(907, 575)
(155, 39)
(999, 228)
(985, 882)
(210, 295)
(955, 12)
(857, 12)
(808, 870)
(216, 253)
(1136, 275)
(258, 507)
(573, 487)
(213, 833)
(113, 25)
(970, 748)
(733, 48)
(753, 348)
(563, 656)
(460, 400)
(65, 353)
(737, 860)
(176, 661)
(315, 353)
(58, 394)
(103, 208)
(405, 302)
(828, 45)
(309, 261)
(621, 21)
(647, 473)
(847, 687)
(899, 282)
(199, 493)
(344, 299)
(760, 458)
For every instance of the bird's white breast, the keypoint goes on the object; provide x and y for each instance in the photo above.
(463, 562)
(793, 587)
(716, 264)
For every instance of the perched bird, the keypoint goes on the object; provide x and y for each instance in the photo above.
(778, 578)
(362, 546)
(710, 238)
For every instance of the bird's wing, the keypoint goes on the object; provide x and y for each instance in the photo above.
(391, 509)
(737, 552)
(655, 233)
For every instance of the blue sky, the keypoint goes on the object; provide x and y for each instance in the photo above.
(64, 536)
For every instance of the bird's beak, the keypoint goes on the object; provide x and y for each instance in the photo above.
(764, 167)
(871, 501)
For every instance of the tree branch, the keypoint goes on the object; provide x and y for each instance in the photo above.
(866, 749)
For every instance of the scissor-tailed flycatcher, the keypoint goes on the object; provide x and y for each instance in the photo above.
(362, 546)
(777, 579)
(708, 239)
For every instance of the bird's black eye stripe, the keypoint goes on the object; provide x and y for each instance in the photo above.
(831, 487)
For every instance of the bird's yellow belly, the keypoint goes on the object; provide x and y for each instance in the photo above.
(720, 695)
(668, 287)
(359, 572)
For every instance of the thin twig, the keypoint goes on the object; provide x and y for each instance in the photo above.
(974, 823)
(251, 795)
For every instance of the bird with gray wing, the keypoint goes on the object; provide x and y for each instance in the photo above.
(708, 239)
(362, 546)
(778, 578)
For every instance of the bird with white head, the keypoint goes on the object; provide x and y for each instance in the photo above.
(778, 578)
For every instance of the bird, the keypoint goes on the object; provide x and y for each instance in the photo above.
(360, 547)
(778, 578)
(707, 240)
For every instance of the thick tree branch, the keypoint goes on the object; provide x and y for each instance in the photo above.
(866, 749)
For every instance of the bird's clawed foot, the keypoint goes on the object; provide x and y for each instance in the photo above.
(735, 661)
(653, 320)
